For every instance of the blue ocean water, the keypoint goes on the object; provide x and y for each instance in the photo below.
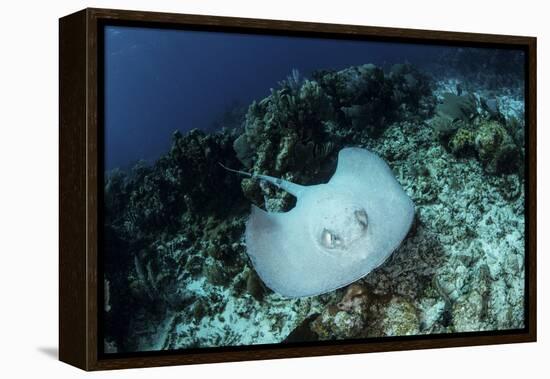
(159, 80)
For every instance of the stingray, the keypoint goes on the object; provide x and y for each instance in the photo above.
(337, 233)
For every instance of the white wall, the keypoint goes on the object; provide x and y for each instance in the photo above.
(28, 198)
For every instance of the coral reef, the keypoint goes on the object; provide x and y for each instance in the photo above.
(176, 271)
(156, 215)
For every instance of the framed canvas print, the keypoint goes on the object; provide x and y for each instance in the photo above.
(235, 189)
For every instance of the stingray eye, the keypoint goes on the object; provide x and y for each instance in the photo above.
(330, 240)
(361, 217)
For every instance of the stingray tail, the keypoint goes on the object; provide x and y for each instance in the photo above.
(237, 171)
(292, 188)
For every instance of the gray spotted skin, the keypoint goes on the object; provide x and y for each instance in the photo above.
(337, 233)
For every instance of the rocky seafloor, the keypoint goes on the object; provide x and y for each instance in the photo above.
(176, 270)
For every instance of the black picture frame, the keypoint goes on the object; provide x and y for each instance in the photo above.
(81, 182)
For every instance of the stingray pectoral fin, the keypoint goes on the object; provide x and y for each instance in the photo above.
(280, 252)
(263, 231)
(389, 208)
(361, 165)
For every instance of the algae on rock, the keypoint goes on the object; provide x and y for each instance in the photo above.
(496, 148)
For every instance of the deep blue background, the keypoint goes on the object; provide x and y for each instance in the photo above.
(159, 80)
